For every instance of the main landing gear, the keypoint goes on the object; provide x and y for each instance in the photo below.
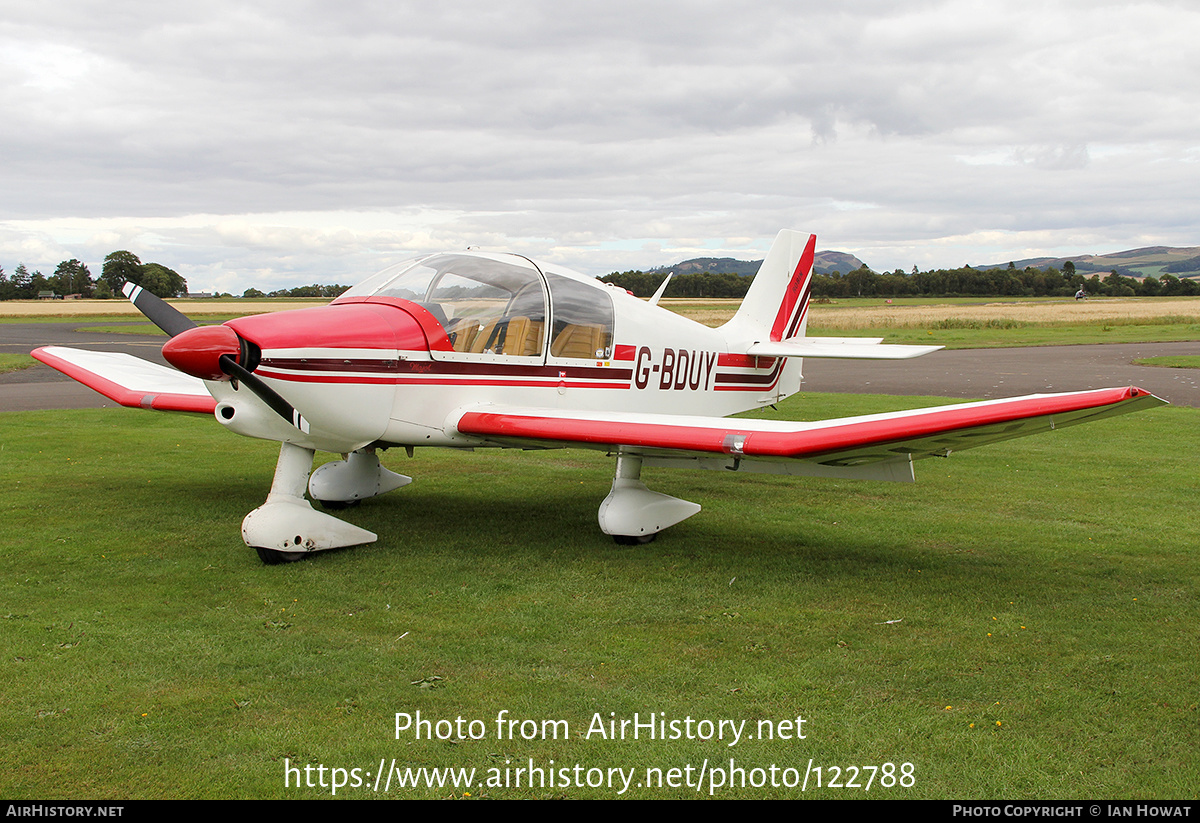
(287, 527)
(633, 514)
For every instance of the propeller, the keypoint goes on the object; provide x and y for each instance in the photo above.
(210, 352)
(158, 311)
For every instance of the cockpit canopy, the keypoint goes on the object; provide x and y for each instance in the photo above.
(503, 305)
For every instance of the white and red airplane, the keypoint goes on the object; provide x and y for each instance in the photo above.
(469, 349)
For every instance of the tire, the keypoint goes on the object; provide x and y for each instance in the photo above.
(273, 557)
(338, 505)
(634, 539)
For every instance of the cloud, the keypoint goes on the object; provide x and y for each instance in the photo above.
(1053, 158)
(218, 136)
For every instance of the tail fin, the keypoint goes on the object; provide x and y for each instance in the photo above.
(776, 307)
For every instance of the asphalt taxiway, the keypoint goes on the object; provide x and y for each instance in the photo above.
(966, 373)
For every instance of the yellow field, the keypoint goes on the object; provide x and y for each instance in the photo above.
(77, 308)
(908, 315)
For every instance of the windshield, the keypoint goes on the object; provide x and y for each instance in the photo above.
(486, 304)
(491, 304)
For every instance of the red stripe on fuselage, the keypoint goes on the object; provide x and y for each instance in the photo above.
(745, 361)
(445, 380)
(284, 365)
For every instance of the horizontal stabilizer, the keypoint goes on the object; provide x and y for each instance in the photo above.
(130, 381)
(847, 348)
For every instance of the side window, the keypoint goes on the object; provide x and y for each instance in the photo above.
(484, 319)
(583, 319)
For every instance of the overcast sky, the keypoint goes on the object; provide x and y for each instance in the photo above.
(275, 144)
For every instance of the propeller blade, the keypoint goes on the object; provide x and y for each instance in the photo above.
(162, 314)
(265, 393)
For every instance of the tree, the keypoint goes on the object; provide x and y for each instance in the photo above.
(861, 281)
(72, 277)
(120, 267)
(1117, 286)
(38, 284)
(123, 267)
(22, 283)
(161, 281)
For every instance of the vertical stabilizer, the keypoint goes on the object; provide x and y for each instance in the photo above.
(776, 307)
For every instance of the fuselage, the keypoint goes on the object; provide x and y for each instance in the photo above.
(391, 361)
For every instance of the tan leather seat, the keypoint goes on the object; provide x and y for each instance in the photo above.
(578, 340)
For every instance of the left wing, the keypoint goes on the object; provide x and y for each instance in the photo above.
(130, 380)
(843, 443)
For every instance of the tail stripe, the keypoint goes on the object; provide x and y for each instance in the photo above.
(797, 292)
(798, 320)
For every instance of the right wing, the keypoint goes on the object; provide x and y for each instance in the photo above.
(838, 444)
(129, 380)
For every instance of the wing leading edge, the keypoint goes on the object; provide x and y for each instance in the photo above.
(843, 442)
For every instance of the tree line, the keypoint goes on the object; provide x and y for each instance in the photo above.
(315, 290)
(73, 277)
(961, 282)
(120, 267)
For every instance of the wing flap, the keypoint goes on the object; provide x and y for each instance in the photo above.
(130, 381)
(848, 441)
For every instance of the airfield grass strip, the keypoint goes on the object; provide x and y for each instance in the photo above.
(1183, 361)
(1020, 623)
(15, 362)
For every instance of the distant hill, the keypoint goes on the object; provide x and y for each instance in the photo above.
(715, 265)
(1152, 261)
(826, 262)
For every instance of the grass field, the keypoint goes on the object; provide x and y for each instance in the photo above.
(1020, 623)
(15, 362)
(1183, 361)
